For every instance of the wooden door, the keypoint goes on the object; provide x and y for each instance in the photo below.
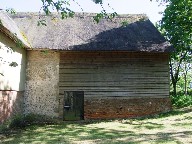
(73, 105)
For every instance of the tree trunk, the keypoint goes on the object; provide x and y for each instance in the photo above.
(174, 89)
(175, 75)
(185, 84)
(185, 78)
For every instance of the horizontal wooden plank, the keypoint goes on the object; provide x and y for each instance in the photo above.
(118, 66)
(125, 93)
(105, 54)
(112, 63)
(110, 89)
(101, 64)
(107, 59)
(125, 97)
(114, 71)
(114, 88)
(108, 82)
(116, 84)
(110, 60)
(110, 74)
(113, 78)
(111, 67)
(129, 95)
(120, 94)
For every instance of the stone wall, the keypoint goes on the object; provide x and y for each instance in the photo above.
(124, 108)
(11, 104)
(42, 77)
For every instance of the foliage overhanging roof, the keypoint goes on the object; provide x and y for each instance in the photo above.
(81, 33)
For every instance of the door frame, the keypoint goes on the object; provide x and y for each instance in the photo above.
(74, 106)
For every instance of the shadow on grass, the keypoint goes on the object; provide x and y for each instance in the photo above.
(65, 133)
(188, 117)
(149, 125)
(174, 112)
(183, 124)
(70, 132)
(128, 132)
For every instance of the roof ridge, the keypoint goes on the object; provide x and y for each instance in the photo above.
(78, 14)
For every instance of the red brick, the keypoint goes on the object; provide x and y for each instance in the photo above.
(124, 108)
(11, 103)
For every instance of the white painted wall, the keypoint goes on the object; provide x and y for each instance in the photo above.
(13, 77)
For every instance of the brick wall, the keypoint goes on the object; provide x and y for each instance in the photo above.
(124, 108)
(11, 104)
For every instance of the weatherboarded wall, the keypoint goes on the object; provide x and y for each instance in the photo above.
(12, 79)
(42, 78)
(117, 84)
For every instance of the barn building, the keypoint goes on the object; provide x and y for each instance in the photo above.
(75, 69)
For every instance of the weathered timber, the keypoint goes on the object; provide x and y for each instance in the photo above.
(114, 74)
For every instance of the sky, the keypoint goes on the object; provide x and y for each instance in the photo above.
(152, 9)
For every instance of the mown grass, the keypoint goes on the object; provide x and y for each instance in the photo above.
(171, 128)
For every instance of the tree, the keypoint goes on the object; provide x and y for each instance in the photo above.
(176, 24)
(63, 7)
(186, 69)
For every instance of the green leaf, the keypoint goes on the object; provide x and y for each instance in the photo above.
(11, 11)
(113, 15)
(41, 22)
(64, 14)
(71, 14)
(98, 17)
(124, 23)
(98, 1)
(13, 64)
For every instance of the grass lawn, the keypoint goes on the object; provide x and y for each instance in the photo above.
(172, 128)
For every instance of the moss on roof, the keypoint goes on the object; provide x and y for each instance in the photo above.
(82, 33)
(10, 28)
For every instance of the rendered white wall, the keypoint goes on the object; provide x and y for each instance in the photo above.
(13, 78)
